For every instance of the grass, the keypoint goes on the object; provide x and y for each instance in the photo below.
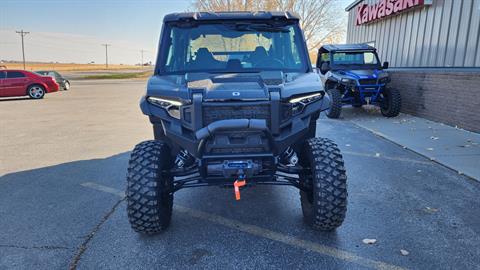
(129, 75)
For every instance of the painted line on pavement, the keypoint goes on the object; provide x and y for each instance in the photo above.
(266, 233)
(104, 189)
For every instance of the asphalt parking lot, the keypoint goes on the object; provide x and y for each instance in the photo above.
(63, 163)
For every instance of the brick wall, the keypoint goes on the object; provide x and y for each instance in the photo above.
(452, 98)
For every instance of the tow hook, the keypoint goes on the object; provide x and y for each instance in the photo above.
(240, 182)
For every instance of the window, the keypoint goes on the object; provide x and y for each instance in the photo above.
(2, 74)
(355, 58)
(325, 57)
(15, 74)
(234, 47)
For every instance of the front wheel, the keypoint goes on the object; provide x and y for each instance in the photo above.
(324, 194)
(149, 188)
(66, 86)
(36, 92)
(335, 103)
(391, 102)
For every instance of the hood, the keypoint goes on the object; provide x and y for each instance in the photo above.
(238, 86)
(361, 73)
(231, 86)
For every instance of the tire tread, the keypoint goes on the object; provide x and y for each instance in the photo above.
(149, 199)
(394, 103)
(325, 208)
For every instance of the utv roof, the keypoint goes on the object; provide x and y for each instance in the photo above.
(231, 15)
(346, 47)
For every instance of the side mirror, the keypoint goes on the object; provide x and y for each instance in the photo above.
(385, 65)
(325, 67)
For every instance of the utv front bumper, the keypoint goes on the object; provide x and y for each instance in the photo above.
(200, 121)
(229, 140)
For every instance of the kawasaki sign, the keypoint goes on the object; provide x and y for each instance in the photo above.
(384, 8)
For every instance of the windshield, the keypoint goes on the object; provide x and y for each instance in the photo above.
(233, 47)
(355, 58)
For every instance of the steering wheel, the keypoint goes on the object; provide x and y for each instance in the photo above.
(269, 62)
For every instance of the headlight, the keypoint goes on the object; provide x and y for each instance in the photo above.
(347, 81)
(383, 78)
(170, 105)
(305, 99)
(300, 102)
(162, 102)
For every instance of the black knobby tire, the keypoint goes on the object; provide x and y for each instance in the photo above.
(391, 103)
(324, 203)
(149, 188)
(335, 103)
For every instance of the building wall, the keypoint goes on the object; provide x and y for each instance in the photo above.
(444, 34)
(434, 55)
(449, 97)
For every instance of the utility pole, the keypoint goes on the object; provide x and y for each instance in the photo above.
(141, 63)
(106, 54)
(22, 34)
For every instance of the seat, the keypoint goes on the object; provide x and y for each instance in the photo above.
(261, 57)
(234, 64)
(204, 59)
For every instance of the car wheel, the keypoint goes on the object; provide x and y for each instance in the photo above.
(391, 102)
(66, 86)
(335, 103)
(36, 91)
(149, 191)
(324, 194)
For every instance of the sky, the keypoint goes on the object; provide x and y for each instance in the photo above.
(73, 31)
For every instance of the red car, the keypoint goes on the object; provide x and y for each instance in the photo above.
(24, 83)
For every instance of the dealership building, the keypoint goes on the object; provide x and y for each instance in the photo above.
(433, 48)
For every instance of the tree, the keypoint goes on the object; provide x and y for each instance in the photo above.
(322, 21)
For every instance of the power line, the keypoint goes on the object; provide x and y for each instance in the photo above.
(22, 34)
(106, 54)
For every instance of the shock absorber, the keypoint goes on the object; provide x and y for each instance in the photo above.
(289, 157)
(183, 159)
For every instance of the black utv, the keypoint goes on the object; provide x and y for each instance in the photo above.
(234, 102)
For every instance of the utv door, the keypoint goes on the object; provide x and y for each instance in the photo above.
(323, 64)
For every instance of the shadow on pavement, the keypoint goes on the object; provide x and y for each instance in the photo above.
(46, 214)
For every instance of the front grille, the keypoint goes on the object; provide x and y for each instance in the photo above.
(215, 113)
(367, 81)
